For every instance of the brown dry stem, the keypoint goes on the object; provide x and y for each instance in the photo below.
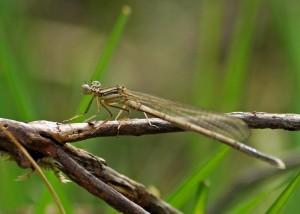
(50, 139)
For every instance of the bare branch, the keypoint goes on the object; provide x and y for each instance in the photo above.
(136, 127)
(48, 139)
(262, 120)
(87, 170)
(94, 185)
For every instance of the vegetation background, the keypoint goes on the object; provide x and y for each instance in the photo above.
(222, 55)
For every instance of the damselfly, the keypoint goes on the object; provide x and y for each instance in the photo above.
(229, 130)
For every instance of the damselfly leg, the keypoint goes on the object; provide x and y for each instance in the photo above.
(84, 113)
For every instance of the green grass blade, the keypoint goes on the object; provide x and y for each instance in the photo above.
(108, 51)
(286, 17)
(282, 199)
(185, 191)
(200, 206)
(247, 206)
(14, 79)
(112, 42)
(235, 71)
(209, 40)
(14, 92)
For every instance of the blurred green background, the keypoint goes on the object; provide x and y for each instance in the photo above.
(222, 55)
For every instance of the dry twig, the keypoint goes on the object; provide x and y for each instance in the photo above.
(49, 139)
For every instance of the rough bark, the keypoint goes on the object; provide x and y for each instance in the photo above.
(50, 139)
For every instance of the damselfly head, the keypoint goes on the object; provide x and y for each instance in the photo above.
(88, 89)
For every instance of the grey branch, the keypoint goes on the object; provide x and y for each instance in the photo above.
(262, 120)
(49, 139)
(136, 127)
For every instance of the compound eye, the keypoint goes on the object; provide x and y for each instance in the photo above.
(86, 89)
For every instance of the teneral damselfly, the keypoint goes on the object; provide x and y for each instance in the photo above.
(226, 129)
